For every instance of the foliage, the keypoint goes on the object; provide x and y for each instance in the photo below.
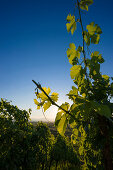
(90, 115)
(63, 154)
(24, 147)
(14, 130)
(41, 144)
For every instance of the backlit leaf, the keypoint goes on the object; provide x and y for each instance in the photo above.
(62, 125)
(84, 7)
(46, 105)
(74, 91)
(75, 71)
(47, 90)
(65, 106)
(69, 18)
(73, 54)
(95, 39)
(106, 77)
(81, 148)
(58, 117)
(54, 96)
(72, 46)
(73, 28)
(87, 38)
(89, 2)
(96, 57)
(73, 139)
(71, 25)
(99, 31)
(42, 95)
(75, 131)
(93, 33)
(80, 49)
(38, 107)
(36, 102)
(85, 3)
(91, 28)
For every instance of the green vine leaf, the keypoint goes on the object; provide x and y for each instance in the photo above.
(73, 93)
(62, 125)
(95, 39)
(42, 95)
(61, 119)
(91, 28)
(75, 71)
(72, 54)
(106, 77)
(101, 109)
(93, 34)
(46, 105)
(96, 57)
(71, 25)
(58, 117)
(43, 98)
(39, 104)
(54, 96)
(36, 102)
(87, 37)
(65, 106)
(85, 3)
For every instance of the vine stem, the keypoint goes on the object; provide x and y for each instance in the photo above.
(84, 54)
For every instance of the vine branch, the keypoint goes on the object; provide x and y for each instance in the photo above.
(84, 54)
(53, 103)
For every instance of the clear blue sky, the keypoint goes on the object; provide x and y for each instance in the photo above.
(33, 43)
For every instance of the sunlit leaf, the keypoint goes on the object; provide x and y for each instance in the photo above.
(75, 131)
(74, 91)
(46, 105)
(73, 28)
(58, 117)
(80, 49)
(98, 30)
(106, 77)
(84, 7)
(62, 125)
(73, 139)
(93, 33)
(65, 106)
(38, 107)
(73, 54)
(75, 71)
(87, 38)
(91, 28)
(85, 3)
(71, 25)
(95, 39)
(81, 148)
(72, 46)
(42, 95)
(54, 96)
(69, 18)
(96, 57)
(36, 102)
(47, 90)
